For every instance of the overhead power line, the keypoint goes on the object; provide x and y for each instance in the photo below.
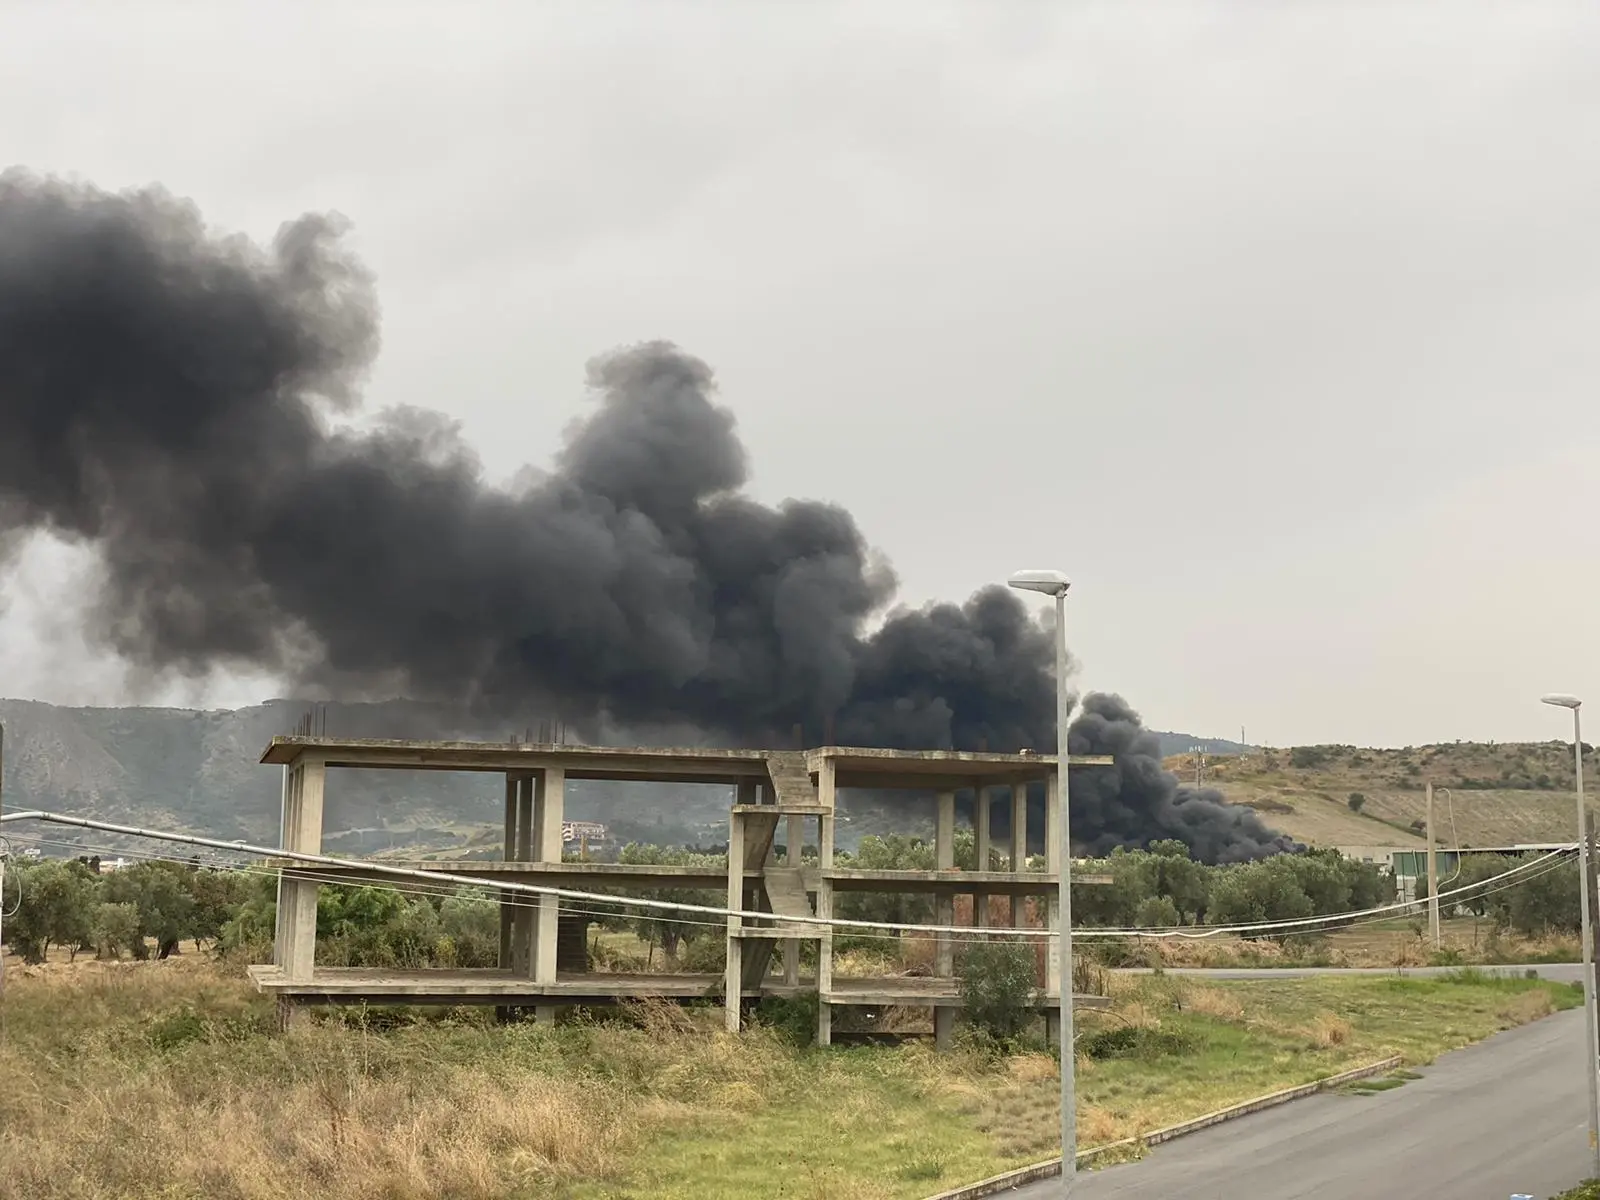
(642, 902)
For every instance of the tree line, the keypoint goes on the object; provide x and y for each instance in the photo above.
(153, 908)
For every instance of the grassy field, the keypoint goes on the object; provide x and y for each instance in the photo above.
(1392, 942)
(1500, 794)
(164, 1079)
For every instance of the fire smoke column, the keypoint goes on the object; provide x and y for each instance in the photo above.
(179, 402)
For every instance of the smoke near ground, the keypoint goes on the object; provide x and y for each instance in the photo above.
(1138, 802)
(173, 398)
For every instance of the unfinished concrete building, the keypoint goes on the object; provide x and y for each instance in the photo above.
(543, 970)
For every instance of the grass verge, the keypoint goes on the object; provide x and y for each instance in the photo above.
(164, 1080)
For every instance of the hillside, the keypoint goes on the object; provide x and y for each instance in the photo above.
(1498, 793)
(198, 771)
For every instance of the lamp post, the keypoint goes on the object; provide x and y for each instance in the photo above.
(1054, 583)
(1561, 700)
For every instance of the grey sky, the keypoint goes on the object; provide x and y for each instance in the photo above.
(1275, 325)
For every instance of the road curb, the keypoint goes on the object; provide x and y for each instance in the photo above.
(1052, 1167)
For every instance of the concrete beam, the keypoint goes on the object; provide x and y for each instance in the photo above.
(590, 875)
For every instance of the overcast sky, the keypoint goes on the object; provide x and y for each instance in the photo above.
(1274, 325)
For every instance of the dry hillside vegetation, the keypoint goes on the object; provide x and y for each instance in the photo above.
(1500, 794)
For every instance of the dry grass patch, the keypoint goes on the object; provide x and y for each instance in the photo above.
(166, 1081)
(1328, 1030)
(1211, 1002)
(1526, 1007)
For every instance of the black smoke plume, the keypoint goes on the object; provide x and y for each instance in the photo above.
(1138, 801)
(174, 399)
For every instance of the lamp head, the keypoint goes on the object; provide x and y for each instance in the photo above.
(1050, 583)
(1560, 700)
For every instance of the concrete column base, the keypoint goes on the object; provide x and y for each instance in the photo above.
(288, 1014)
(944, 1028)
(1052, 1027)
(824, 1024)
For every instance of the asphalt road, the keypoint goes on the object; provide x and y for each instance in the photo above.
(1561, 972)
(1508, 1115)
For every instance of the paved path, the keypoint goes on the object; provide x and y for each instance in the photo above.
(1505, 1116)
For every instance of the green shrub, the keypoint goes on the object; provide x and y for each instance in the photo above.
(1156, 912)
(793, 1017)
(707, 955)
(1136, 1041)
(176, 1029)
(997, 982)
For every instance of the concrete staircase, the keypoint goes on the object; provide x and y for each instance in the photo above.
(783, 892)
(791, 780)
(786, 892)
(760, 829)
(786, 896)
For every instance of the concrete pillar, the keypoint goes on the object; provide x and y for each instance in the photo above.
(981, 841)
(1052, 859)
(523, 923)
(509, 852)
(283, 931)
(1019, 848)
(525, 818)
(295, 940)
(796, 837)
(549, 789)
(825, 798)
(944, 849)
(733, 974)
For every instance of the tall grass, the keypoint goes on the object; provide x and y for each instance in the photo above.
(164, 1081)
(167, 1081)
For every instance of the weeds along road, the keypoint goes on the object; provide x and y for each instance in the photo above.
(1508, 1115)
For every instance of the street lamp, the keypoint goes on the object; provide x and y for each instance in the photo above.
(1561, 700)
(1054, 583)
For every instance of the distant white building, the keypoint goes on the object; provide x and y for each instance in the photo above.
(591, 833)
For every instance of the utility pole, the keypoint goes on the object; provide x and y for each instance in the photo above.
(1433, 877)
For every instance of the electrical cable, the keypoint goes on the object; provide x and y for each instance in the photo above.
(715, 911)
(1537, 868)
